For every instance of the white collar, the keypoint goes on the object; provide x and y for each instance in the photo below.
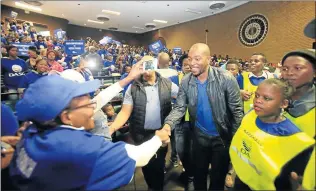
(74, 128)
(264, 74)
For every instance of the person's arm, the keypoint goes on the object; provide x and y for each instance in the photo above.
(179, 109)
(116, 162)
(234, 102)
(125, 112)
(109, 93)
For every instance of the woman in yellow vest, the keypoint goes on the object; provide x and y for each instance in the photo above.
(250, 80)
(298, 68)
(267, 146)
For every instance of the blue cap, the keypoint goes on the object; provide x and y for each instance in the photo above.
(45, 99)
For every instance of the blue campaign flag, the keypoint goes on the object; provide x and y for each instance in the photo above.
(106, 40)
(23, 48)
(156, 47)
(177, 50)
(74, 47)
(59, 34)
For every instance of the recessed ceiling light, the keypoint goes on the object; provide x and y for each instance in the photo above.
(136, 31)
(215, 5)
(34, 3)
(160, 21)
(102, 18)
(111, 12)
(134, 27)
(62, 14)
(18, 4)
(150, 25)
(92, 21)
(193, 11)
(85, 24)
(113, 28)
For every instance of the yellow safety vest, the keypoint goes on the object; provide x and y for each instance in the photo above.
(305, 122)
(249, 87)
(187, 115)
(309, 174)
(258, 157)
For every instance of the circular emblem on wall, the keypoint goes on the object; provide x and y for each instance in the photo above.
(253, 30)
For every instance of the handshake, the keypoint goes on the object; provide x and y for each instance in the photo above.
(164, 134)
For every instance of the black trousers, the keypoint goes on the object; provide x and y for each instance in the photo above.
(209, 150)
(154, 170)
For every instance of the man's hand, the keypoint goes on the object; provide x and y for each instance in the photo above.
(11, 140)
(7, 153)
(245, 95)
(167, 128)
(163, 135)
(136, 70)
(297, 181)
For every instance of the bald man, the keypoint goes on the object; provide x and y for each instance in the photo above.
(214, 103)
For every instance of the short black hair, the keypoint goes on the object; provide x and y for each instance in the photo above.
(184, 56)
(232, 61)
(33, 48)
(10, 47)
(263, 56)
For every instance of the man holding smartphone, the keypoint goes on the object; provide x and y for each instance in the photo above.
(146, 104)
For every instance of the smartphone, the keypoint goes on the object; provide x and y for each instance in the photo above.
(150, 64)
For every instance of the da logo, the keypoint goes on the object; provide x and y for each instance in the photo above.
(16, 68)
(246, 148)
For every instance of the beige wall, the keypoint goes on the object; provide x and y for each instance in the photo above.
(286, 25)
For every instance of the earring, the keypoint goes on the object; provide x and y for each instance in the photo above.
(70, 124)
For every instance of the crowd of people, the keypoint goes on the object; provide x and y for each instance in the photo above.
(251, 121)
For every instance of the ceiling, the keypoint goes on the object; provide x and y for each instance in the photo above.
(133, 13)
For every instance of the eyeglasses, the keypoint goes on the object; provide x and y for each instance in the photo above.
(92, 104)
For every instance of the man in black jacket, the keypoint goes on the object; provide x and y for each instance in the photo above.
(214, 103)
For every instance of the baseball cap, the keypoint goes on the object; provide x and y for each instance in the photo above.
(49, 96)
(308, 54)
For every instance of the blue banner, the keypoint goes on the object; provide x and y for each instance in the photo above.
(74, 47)
(23, 48)
(177, 50)
(156, 47)
(59, 34)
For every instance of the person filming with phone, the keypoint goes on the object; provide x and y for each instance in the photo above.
(146, 104)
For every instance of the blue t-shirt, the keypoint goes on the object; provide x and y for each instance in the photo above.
(50, 160)
(30, 78)
(13, 71)
(9, 122)
(253, 80)
(38, 44)
(107, 63)
(283, 128)
(32, 34)
(204, 115)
